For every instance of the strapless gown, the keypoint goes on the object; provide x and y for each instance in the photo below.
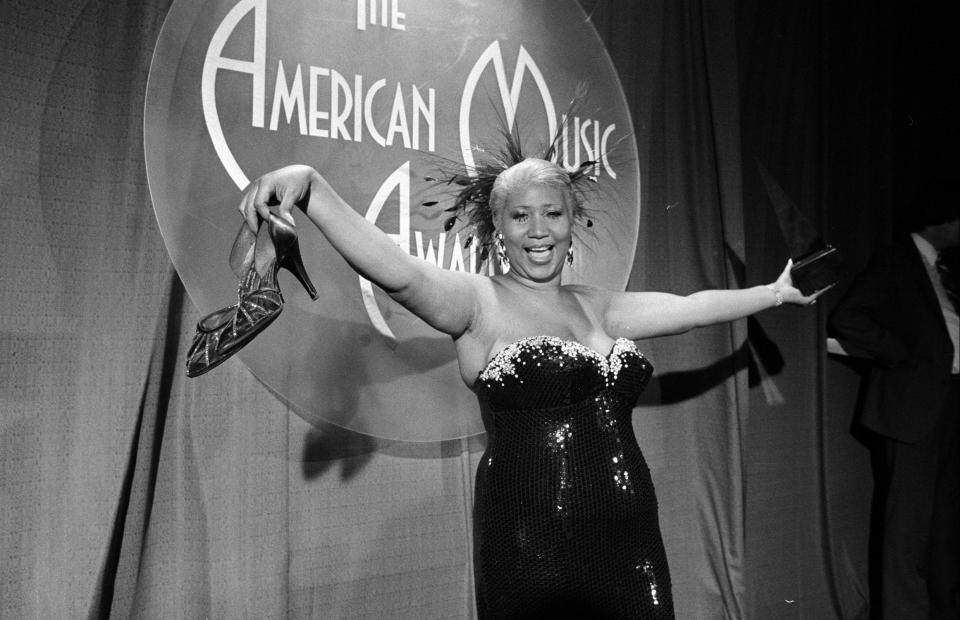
(565, 516)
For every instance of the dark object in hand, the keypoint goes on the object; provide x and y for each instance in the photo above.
(818, 270)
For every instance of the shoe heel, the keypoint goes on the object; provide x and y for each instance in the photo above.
(293, 263)
(288, 253)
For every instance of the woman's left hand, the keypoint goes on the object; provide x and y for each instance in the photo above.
(786, 291)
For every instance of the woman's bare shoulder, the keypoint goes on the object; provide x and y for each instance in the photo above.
(587, 293)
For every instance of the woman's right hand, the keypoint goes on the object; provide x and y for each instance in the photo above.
(786, 292)
(284, 188)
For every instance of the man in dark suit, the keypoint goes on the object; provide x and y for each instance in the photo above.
(902, 314)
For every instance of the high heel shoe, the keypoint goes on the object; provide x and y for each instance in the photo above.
(258, 258)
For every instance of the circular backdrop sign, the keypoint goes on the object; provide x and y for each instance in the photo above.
(372, 93)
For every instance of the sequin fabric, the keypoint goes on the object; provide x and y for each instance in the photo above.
(565, 517)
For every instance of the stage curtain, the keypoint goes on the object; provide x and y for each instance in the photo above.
(129, 491)
(808, 479)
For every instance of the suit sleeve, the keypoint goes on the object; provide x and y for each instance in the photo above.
(866, 319)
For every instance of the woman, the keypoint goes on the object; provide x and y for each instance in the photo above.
(565, 515)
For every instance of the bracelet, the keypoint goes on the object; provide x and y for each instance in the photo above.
(777, 294)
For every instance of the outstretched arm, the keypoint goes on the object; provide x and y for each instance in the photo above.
(647, 315)
(444, 299)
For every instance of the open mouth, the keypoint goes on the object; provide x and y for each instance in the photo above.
(539, 252)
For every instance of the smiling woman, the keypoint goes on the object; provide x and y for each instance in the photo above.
(565, 506)
(533, 211)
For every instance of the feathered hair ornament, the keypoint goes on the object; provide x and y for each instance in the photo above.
(472, 185)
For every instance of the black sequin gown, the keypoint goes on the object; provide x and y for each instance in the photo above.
(565, 516)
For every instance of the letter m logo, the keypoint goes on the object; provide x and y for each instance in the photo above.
(509, 93)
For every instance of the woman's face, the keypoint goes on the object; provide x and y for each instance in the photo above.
(536, 224)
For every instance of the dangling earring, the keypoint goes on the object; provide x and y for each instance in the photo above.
(570, 254)
(501, 252)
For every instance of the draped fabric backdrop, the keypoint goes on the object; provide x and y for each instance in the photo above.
(128, 491)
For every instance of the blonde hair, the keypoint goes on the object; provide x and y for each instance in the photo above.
(533, 171)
